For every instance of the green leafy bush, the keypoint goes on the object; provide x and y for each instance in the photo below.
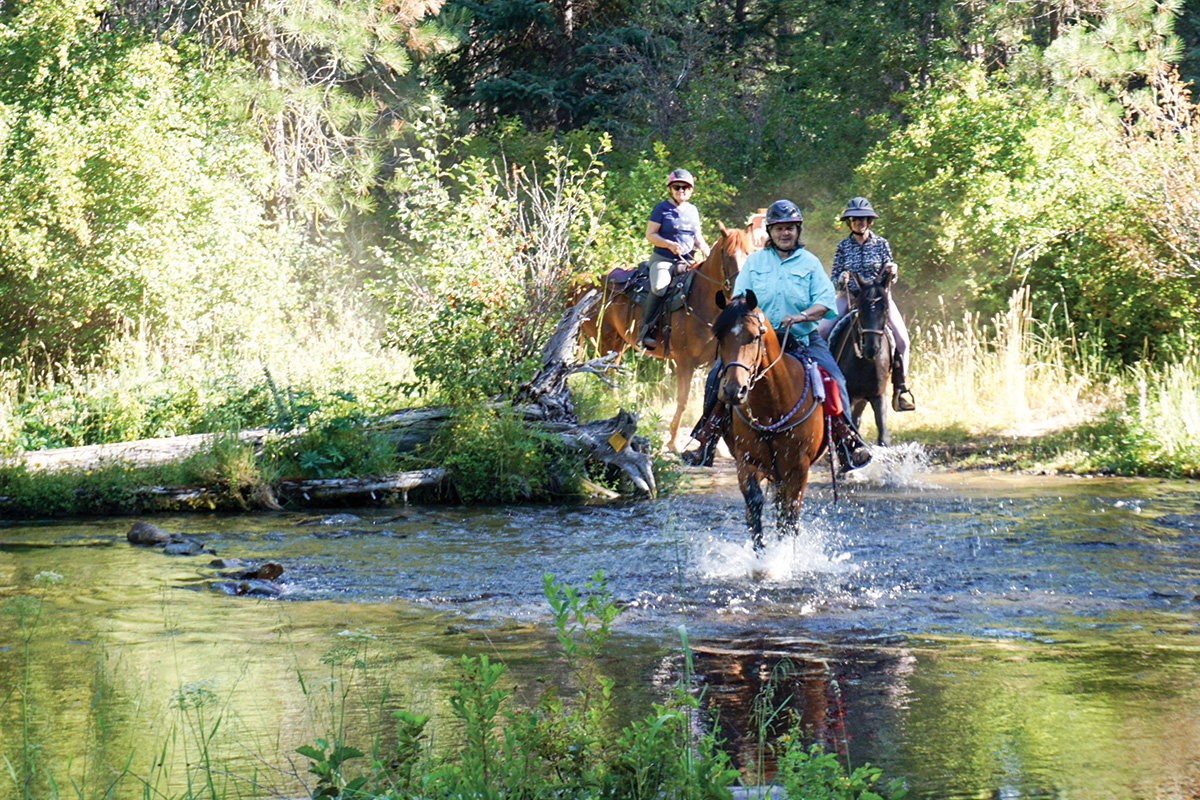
(494, 458)
(488, 251)
(814, 774)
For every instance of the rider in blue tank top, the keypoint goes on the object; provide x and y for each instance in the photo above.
(678, 223)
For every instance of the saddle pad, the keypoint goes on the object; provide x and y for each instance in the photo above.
(620, 275)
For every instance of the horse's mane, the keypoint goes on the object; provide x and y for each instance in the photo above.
(728, 317)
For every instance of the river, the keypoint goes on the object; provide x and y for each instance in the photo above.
(978, 634)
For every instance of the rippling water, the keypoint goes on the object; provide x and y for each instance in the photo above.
(980, 635)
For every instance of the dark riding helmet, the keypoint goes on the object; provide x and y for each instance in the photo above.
(681, 176)
(783, 211)
(859, 207)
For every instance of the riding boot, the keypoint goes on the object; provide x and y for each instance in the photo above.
(902, 398)
(707, 432)
(851, 448)
(646, 338)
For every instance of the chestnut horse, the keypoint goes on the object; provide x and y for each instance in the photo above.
(692, 344)
(777, 429)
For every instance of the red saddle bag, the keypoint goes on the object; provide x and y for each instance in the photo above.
(833, 398)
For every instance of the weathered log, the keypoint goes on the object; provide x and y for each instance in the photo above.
(310, 491)
(545, 401)
(373, 486)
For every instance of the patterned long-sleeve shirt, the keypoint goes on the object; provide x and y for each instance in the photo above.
(864, 261)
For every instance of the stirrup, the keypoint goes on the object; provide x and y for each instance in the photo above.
(853, 455)
(902, 399)
(701, 456)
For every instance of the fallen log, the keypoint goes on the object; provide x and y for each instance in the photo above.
(543, 404)
(370, 486)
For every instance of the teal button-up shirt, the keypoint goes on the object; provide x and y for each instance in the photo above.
(787, 286)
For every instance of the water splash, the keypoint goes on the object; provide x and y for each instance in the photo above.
(904, 466)
(783, 561)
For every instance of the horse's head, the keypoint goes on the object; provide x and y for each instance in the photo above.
(729, 253)
(871, 300)
(745, 341)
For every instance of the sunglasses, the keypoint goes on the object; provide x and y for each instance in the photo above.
(679, 187)
(861, 219)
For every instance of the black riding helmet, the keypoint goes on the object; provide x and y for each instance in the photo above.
(783, 211)
(859, 207)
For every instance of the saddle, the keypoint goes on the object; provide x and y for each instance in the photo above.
(635, 284)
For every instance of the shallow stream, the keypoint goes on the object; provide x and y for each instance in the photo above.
(978, 634)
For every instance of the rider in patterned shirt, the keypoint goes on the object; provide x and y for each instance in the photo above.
(863, 257)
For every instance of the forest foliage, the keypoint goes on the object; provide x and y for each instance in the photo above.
(228, 176)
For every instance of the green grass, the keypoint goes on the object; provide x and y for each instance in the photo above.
(1009, 394)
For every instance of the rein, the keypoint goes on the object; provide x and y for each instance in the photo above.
(726, 283)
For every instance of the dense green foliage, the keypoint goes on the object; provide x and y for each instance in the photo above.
(231, 183)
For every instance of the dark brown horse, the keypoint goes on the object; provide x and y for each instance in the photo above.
(614, 326)
(863, 347)
(777, 429)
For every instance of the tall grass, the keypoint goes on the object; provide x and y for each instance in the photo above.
(144, 388)
(1009, 373)
(1018, 377)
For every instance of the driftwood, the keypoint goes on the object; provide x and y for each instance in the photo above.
(545, 401)
(370, 488)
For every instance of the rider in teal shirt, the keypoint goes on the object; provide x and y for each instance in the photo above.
(787, 284)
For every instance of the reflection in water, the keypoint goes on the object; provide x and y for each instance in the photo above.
(978, 635)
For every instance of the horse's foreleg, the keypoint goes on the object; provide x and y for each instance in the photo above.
(789, 496)
(880, 409)
(683, 387)
(856, 410)
(753, 495)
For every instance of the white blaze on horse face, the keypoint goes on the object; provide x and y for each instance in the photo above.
(736, 329)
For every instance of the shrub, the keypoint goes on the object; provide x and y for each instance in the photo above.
(493, 457)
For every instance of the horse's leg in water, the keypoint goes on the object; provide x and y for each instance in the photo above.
(789, 494)
(683, 385)
(753, 495)
(880, 408)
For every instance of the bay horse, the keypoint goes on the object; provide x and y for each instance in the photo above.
(777, 429)
(614, 326)
(863, 347)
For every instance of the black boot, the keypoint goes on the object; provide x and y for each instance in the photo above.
(902, 399)
(703, 455)
(707, 432)
(646, 338)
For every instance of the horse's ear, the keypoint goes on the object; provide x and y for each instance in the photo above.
(721, 226)
(722, 300)
(751, 300)
(886, 280)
